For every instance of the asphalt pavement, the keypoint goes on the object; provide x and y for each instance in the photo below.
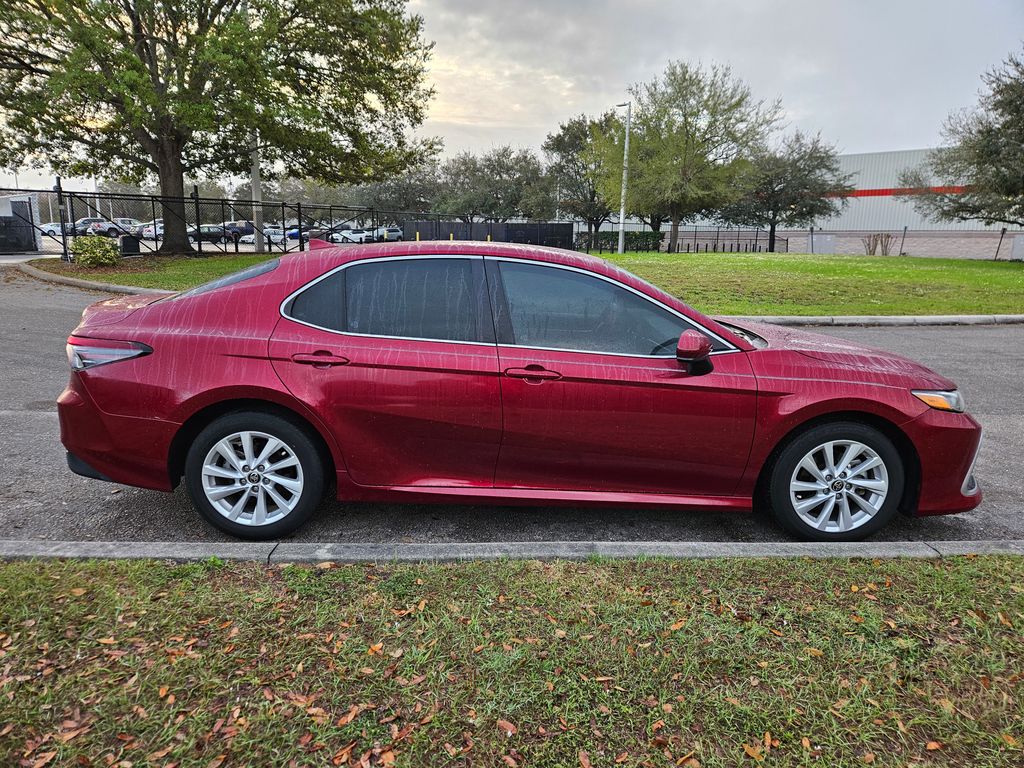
(41, 499)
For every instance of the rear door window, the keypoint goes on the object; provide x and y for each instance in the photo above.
(428, 299)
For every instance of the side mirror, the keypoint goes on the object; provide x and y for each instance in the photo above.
(693, 351)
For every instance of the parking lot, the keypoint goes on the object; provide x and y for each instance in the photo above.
(41, 499)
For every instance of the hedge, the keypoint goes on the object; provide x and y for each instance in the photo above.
(95, 251)
(609, 241)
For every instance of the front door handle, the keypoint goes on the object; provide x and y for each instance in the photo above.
(532, 372)
(319, 359)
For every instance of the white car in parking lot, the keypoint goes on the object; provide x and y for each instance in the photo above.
(270, 235)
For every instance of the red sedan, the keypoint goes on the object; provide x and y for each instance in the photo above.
(496, 373)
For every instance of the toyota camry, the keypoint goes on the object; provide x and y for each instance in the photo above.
(492, 373)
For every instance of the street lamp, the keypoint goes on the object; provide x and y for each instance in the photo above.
(625, 177)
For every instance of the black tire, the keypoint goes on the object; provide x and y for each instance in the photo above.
(777, 490)
(297, 440)
(111, 232)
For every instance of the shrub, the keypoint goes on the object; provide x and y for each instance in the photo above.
(95, 251)
(609, 241)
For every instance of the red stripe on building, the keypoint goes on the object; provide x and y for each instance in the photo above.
(893, 191)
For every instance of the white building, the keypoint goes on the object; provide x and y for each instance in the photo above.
(875, 208)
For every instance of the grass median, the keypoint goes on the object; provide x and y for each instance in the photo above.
(719, 283)
(518, 663)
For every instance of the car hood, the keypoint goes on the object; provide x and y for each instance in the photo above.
(839, 353)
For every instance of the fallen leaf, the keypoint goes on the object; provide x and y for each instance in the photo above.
(584, 760)
(815, 652)
(106, 641)
(78, 591)
(868, 757)
(43, 759)
(931, 746)
(806, 743)
(1010, 740)
(507, 727)
(678, 625)
(753, 751)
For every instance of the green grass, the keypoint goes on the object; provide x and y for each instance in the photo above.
(174, 273)
(721, 283)
(635, 663)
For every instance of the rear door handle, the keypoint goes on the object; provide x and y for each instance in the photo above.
(535, 372)
(319, 359)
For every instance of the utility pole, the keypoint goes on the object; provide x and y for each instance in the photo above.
(625, 177)
(255, 184)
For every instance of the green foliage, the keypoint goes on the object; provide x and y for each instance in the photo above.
(985, 155)
(501, 184)
(95, 251)
(609, 241)
(695, 129)
(577, 167)
(329, 89)
(794, 185)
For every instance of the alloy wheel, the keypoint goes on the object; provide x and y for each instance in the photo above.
(839, 486)
(252, 478)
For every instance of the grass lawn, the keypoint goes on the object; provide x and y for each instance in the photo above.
(719, 283)
(600, 663)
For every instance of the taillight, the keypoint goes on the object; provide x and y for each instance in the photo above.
(88, 353)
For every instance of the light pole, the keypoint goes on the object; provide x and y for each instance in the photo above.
(625, 177)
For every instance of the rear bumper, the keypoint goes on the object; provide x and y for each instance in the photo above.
(948, 445)
(117, 449)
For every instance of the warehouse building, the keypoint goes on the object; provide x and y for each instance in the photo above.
(879, 219)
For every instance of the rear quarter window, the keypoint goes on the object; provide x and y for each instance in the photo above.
(236, 277)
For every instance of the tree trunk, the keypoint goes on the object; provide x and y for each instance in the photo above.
(771, 237)
(673, 237)
(172, 191)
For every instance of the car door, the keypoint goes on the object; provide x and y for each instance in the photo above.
(397, 357)
(594, 399)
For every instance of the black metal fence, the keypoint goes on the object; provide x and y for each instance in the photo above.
(48, 221)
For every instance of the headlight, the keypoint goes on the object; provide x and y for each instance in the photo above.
(941, 400)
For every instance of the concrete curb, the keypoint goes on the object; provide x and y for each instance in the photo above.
(296, 552)
(896, 320)
(50, 277)
(878, 320)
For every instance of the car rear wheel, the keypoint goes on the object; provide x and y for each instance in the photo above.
(254, 475)
(836, 482)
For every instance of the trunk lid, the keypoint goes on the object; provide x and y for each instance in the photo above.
(115, 310)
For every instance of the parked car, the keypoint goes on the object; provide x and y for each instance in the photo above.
(139, 229)
(383, 234)
(208, 233)
(53, 228)
(238, 229)
(355, 236)
(84, 225)
(271, 235)
(498, 373)
(153, 231)
(126, 226)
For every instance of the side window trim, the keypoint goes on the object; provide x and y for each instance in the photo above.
(481, 305)
(503, 323)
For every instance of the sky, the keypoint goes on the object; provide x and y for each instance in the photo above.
(870, 75)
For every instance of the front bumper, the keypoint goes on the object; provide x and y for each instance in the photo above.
(947, 445)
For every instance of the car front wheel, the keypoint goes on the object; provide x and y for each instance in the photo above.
(254, 475)
(836, 482)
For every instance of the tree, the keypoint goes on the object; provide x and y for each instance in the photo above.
(980, 175)
(497, 186)
(576, 168)
(327, 89)
(416, 190)
(695, 127)
(793, 186)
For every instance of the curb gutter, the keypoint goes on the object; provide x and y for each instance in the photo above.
(296, 552)
(839, 320)
(75, 282)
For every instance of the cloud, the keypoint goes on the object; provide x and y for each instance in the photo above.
(871, 75)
